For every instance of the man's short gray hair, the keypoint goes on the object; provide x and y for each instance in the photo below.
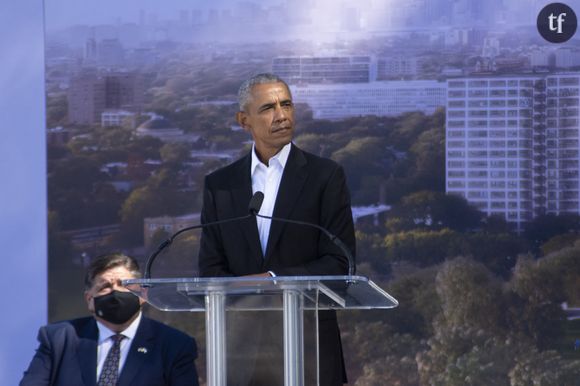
(109, 261)
(246, 87)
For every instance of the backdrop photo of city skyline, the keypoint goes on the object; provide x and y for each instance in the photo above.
(457, 125)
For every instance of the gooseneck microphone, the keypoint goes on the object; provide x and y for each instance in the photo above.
(338, 242)
(253, 208)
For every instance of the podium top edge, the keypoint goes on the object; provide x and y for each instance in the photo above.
(243, 279)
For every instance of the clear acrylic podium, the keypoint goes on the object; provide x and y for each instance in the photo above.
(290, 295)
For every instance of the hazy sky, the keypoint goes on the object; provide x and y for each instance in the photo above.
(60, 13)
(63, 13)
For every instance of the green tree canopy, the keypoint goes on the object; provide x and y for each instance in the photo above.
(175, 153)
(147, 147)
(470, 295)
(78, 173)
(424, 247)
(364, 158)
(543, 228)
(543, 368)
(434, 210)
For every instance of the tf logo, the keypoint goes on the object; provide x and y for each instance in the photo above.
(557, 23)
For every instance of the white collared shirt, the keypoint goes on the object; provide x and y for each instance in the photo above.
(105, 343)
(266, 179)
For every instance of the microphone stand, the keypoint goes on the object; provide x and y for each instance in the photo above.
(168, 242)
(338, 242)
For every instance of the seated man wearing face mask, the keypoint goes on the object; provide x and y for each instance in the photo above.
(115, 346)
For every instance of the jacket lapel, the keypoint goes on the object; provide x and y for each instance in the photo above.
(87, 352)
(293, 179)
(141, 349)
(241, 195)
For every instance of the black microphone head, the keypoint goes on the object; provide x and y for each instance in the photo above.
(256, 202)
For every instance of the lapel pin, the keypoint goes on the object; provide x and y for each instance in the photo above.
(142, 350)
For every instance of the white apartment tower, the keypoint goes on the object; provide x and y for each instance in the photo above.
(383, 98)
(512, 144)
(325, 69)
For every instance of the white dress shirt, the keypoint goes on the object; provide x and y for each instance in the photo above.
(105, 343)
(266, 179)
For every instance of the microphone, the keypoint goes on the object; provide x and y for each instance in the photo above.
(338, 242)
(253, 208)
(256, 203)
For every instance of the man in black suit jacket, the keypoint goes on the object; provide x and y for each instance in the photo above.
(304, 187)
(74, 352)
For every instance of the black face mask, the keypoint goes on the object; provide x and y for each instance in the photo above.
(117, 307)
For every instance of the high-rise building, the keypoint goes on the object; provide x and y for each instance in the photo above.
(184, 19)
(110, 53)
(386, 98)
(397, 66)
(196, 17)
(325, 69)
(350, 19)
(91, 93)
(491, 47)
(566, 58)
(512, 144)
(541, 58)
(90, 54)
(116, 118)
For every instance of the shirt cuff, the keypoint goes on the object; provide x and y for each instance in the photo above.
(272, 273)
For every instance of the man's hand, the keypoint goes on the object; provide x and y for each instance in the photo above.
(265, 274)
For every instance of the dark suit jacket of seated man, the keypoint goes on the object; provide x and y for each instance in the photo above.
(74, 352)
(310, 189)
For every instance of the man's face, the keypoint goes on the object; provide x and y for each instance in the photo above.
(106, 283)
(269, 117)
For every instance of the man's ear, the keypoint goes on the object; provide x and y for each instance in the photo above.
(87, 297)
(241, 118)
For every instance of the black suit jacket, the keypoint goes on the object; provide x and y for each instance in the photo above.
(67, 355)
(312, 189)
